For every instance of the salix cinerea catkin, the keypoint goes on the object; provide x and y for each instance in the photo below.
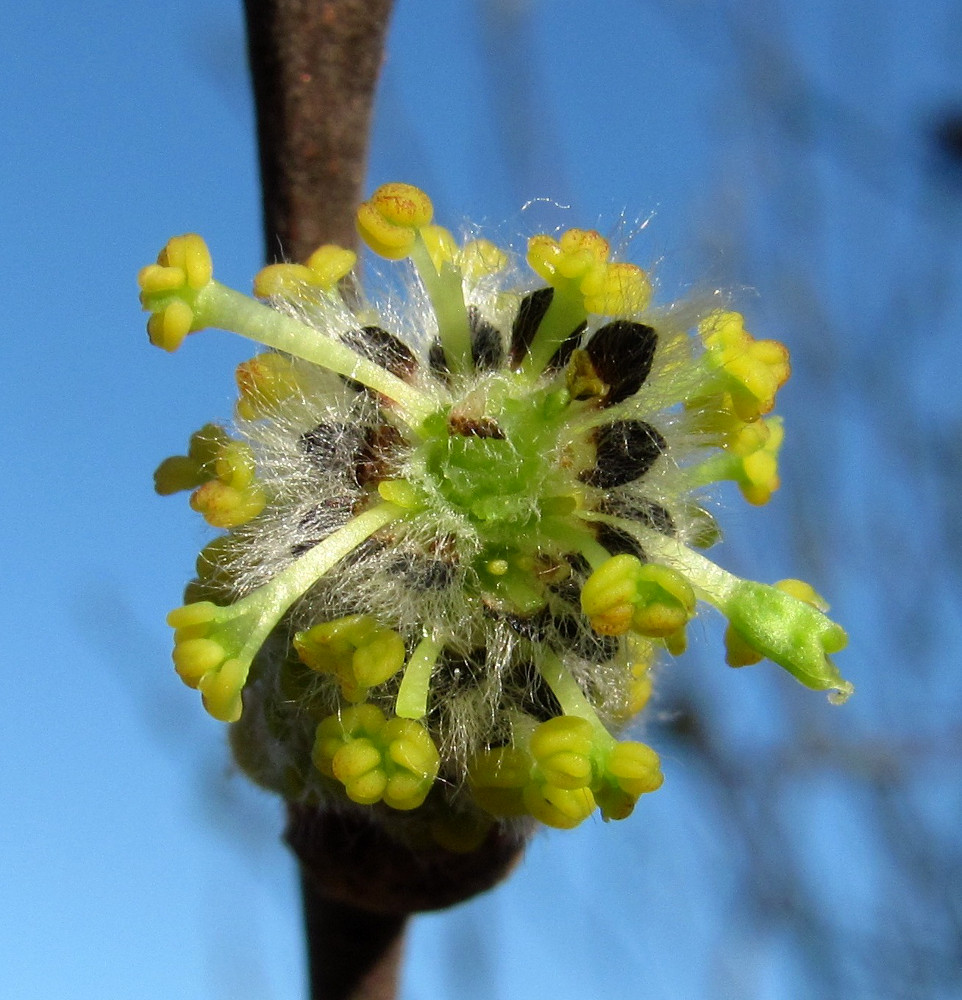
(460, 524)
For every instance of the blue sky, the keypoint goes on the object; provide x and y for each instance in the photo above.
(134, 863)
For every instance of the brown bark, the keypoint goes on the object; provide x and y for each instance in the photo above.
(314, 66)
(360, 886)
(352, 953)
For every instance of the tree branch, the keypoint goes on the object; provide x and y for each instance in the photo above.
(314, 66)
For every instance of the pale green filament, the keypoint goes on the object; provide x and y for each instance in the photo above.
(565, 314)
(569, 694)
(290, 583)
(220, 306)
(214, 646)
(711, 583)
(575, 538)
(412, 696)
(445, 291)
(791, 632)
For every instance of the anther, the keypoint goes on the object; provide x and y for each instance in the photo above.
(622, 353)
(625, 450)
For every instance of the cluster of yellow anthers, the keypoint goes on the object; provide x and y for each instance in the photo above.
(559, 775)
(392, 219)
(752, 459)
(457, 538)
(205, 658)
(752, 371)
(578, 264)
(182, 270)
(221, 473)
(264, 381)
(625, 594)
(355, 650)
(377, 759)
(560, 770)
(322, 271)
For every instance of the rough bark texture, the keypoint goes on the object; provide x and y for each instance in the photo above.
(314, 65)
